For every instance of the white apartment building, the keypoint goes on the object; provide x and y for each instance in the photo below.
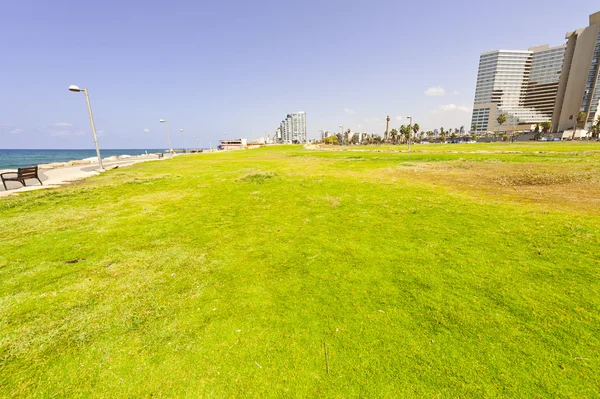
(292, 129)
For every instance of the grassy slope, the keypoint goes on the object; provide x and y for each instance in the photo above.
(221, 275)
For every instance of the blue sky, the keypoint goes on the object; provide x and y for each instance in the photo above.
(238, 67)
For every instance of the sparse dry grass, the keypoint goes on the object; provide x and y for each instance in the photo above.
(571, 188)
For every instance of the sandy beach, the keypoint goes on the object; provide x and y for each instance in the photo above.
(60, 173)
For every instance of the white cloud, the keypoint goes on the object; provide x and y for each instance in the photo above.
(398, 118)
(16, 131)
(452, 107)
(455, 93)
(99, 132)
(146, 130)
(435, 91)
(373, 121)
(61, 133)
(63, 124)
(349, 111)
(358, 126)
(66, 133)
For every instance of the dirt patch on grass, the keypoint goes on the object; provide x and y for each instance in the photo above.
(256, 178)
(546, 178)
(334, 201)
(572, 187)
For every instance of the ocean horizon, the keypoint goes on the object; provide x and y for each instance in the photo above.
(19, 158)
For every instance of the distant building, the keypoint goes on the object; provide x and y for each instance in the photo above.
(233, 144)
(325, 134)
(292, 129)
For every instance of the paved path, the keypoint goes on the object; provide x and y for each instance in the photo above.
(66, 174)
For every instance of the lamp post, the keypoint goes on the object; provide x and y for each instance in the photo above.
(168, 135)
(76, 89)
(185, 138)
(199, 144)
(409, 131)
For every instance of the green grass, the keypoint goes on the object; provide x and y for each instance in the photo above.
(221, 275)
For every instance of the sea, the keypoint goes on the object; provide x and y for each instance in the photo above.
(12, 159)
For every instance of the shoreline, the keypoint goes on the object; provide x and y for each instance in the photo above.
(55, 174)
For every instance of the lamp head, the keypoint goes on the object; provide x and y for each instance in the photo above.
(74, 88)
(181, 130)
(162, 121)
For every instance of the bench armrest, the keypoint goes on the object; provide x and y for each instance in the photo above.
(9, 173)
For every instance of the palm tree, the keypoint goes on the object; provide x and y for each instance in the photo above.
(393, 135)
(442, 134)
(595, 130)
(580, 119)
(402, 133)
(501, 119)
(406, 131)
(546, 126)
(416, 128)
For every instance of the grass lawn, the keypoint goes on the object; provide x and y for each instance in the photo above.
(450, 271)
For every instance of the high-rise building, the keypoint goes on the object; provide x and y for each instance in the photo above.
(292, 129)
(579, 89)
(542, 84)
(544, 79)
(521, 84)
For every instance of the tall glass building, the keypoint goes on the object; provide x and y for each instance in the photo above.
(521, 84)
(544, 79)
(542, 84)
(579, 89)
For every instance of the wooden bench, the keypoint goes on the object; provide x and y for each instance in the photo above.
(22, 174)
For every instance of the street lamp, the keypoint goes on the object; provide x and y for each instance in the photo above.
(168, 135)
(409, 131)
(342, 127)
(185, 138)
(76, 89)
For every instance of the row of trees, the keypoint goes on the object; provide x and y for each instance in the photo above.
(404, 134)
(413, 133)
(401, 136)
(545, 127)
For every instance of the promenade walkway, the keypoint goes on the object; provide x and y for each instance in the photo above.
(64, 175)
